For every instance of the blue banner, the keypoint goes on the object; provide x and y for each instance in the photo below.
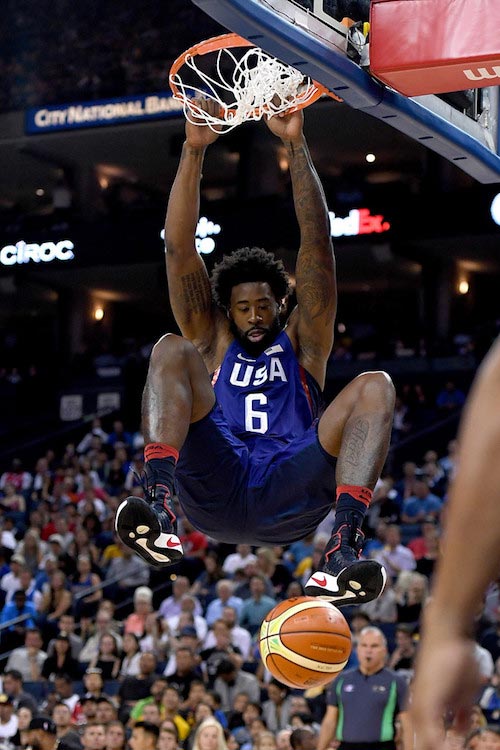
(139, 108)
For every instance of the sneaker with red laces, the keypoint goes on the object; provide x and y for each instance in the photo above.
(149, 526)
(342, 577)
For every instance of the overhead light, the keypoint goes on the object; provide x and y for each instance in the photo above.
(463, 286)
(40, 192)
(98, 313)
(370, 158)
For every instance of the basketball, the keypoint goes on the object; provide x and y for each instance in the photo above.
(304, 642)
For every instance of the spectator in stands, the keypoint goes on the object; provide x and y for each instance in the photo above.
(158, 688)
(225, 598)
(270, 566)
(209, 736)
(64, 691)
(385, 505)
(24, 716)
(132, 689)
(421, 505)
(194, 543)
(204, 586)
(187, 670)
(14, 634)
(62, 662)
(405, 487)
(230, 681)
(425, 548)
(490, 638)
(94, 737)
(131, 655)
(143, 606)
(19, 478)
(104, 623)
(450, 398)
(171, 606)
(256, 607)
(119, 435)
(188, 606)
(108, 657)
(66, 624)
(84, 580)
(449, 462)
(394, 556)
(222, 649)
(240, 637)
(95, 431)
(276, 710)
(8, 718)
(115, 736)
(171, 701)
(10, 581)
(28, 659)
(403, 655)
(106, 710)
(383, 609)
(32, 550)
(238, 560)
(56, 599)
(412, 599)
(144, 736)
(66, 730)
(168, 739)
(12, 685)
(283, 739)
(12, 501)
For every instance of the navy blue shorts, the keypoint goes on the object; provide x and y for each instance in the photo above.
(276, 495)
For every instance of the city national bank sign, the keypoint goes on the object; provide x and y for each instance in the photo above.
(126, 109)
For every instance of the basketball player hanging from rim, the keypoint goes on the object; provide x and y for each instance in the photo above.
(232, 414)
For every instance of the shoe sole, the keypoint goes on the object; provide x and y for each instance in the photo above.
(356, 584)
(138, 527)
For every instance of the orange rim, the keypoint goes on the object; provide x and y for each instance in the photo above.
(229, 41)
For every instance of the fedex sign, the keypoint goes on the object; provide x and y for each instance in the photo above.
(359, 221)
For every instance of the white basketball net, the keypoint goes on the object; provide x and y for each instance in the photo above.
(258, 85)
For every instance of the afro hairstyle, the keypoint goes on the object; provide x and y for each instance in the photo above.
(248, 264)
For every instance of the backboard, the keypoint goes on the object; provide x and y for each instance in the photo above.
(305, 35)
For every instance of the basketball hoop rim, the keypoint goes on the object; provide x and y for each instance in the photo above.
(230, 41)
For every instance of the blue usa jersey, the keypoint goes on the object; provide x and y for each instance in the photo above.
(268, 399)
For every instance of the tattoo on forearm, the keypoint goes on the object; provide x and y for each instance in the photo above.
(315, 284)
(315, 264)
(355, 442)
(195, 292)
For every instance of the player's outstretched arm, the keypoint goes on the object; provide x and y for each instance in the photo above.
(446, 672)
(316, 285)
(188, 281)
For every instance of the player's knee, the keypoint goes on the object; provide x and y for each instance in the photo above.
(377, 386)
(168, 347)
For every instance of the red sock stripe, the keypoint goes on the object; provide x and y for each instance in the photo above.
(160, 450)
(363, 494)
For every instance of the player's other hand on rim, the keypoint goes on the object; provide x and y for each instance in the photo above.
(287, 127)
(198, 133)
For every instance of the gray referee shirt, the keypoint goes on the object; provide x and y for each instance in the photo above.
(367, 705)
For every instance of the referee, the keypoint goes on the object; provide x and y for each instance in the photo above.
(366, 706)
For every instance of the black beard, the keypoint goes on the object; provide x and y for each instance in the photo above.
(254, 348)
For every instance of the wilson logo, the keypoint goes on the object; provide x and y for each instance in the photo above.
(482, 74)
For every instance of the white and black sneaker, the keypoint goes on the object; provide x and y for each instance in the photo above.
(342, 577)
(149, 527)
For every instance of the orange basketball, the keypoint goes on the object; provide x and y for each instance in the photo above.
(304, 642)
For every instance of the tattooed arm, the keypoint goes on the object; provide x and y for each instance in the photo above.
(188, 281)
(316, 284)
